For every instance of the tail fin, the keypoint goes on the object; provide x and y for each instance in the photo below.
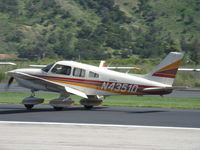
(166, 71)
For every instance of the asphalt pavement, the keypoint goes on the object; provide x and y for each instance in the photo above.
(103, 115)
(111, 128)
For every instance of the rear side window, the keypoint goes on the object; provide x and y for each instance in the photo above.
(79, 72)
(93, 75)
(61, 69)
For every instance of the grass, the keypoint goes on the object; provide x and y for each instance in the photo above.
(131, 101)
(153, 101)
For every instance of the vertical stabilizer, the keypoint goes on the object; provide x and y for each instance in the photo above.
(166, 71)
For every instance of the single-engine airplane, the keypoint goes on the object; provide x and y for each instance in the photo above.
(92, 82)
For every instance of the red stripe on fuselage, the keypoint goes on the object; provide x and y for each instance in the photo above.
(170, 73)
(164, 75)
(84, 81)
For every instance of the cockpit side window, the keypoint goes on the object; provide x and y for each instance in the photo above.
(93, 75)
(61, 69)
(79, 72)
(48, 67)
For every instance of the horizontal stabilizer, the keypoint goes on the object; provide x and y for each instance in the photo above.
(189, 69)
(163, 90)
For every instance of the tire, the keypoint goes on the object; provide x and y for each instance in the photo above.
(58, 108)
(88, 107)
(28, 106)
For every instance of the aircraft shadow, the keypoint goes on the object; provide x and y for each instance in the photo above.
(134, 112)
(21, 110)
(148, 111)
(13, 110)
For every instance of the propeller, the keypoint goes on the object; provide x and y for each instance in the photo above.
(9, 82)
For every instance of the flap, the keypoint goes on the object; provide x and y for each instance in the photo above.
(76, 92)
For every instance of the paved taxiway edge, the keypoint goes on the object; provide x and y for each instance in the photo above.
(73, 136)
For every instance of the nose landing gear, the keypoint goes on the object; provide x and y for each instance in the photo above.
(30, 101)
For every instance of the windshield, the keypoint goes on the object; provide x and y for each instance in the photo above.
(61, 69)
(48, 67)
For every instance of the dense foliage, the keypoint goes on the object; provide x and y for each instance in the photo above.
(100, 29)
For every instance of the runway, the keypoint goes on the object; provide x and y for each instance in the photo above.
(103, 115)
(110, 128)
(51, 136)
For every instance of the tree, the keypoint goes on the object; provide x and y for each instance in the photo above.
(195, 50)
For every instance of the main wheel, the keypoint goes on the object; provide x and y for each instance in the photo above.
(88, 107)
(28, 106)
(58, 108)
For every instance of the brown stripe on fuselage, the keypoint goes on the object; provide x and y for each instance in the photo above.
(171, 73)
(173, 65)
(92, 84)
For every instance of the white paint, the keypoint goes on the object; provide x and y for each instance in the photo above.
(97, 125)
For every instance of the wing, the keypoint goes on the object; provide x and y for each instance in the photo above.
(38, 66)
(7, 63)
(189, 69)
(125, 68)
(103, 65)
(52, 84)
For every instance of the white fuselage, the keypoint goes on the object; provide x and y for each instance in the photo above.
(102, 82)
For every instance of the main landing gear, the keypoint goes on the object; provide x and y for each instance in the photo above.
(90, 102)
(28, 106)
(30, 101)
(88, 107)
(60, 103)
(63, 101)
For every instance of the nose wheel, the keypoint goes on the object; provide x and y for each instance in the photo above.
(30, 101)
(88, 107)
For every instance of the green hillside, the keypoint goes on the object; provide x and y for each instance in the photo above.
(100, 29)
